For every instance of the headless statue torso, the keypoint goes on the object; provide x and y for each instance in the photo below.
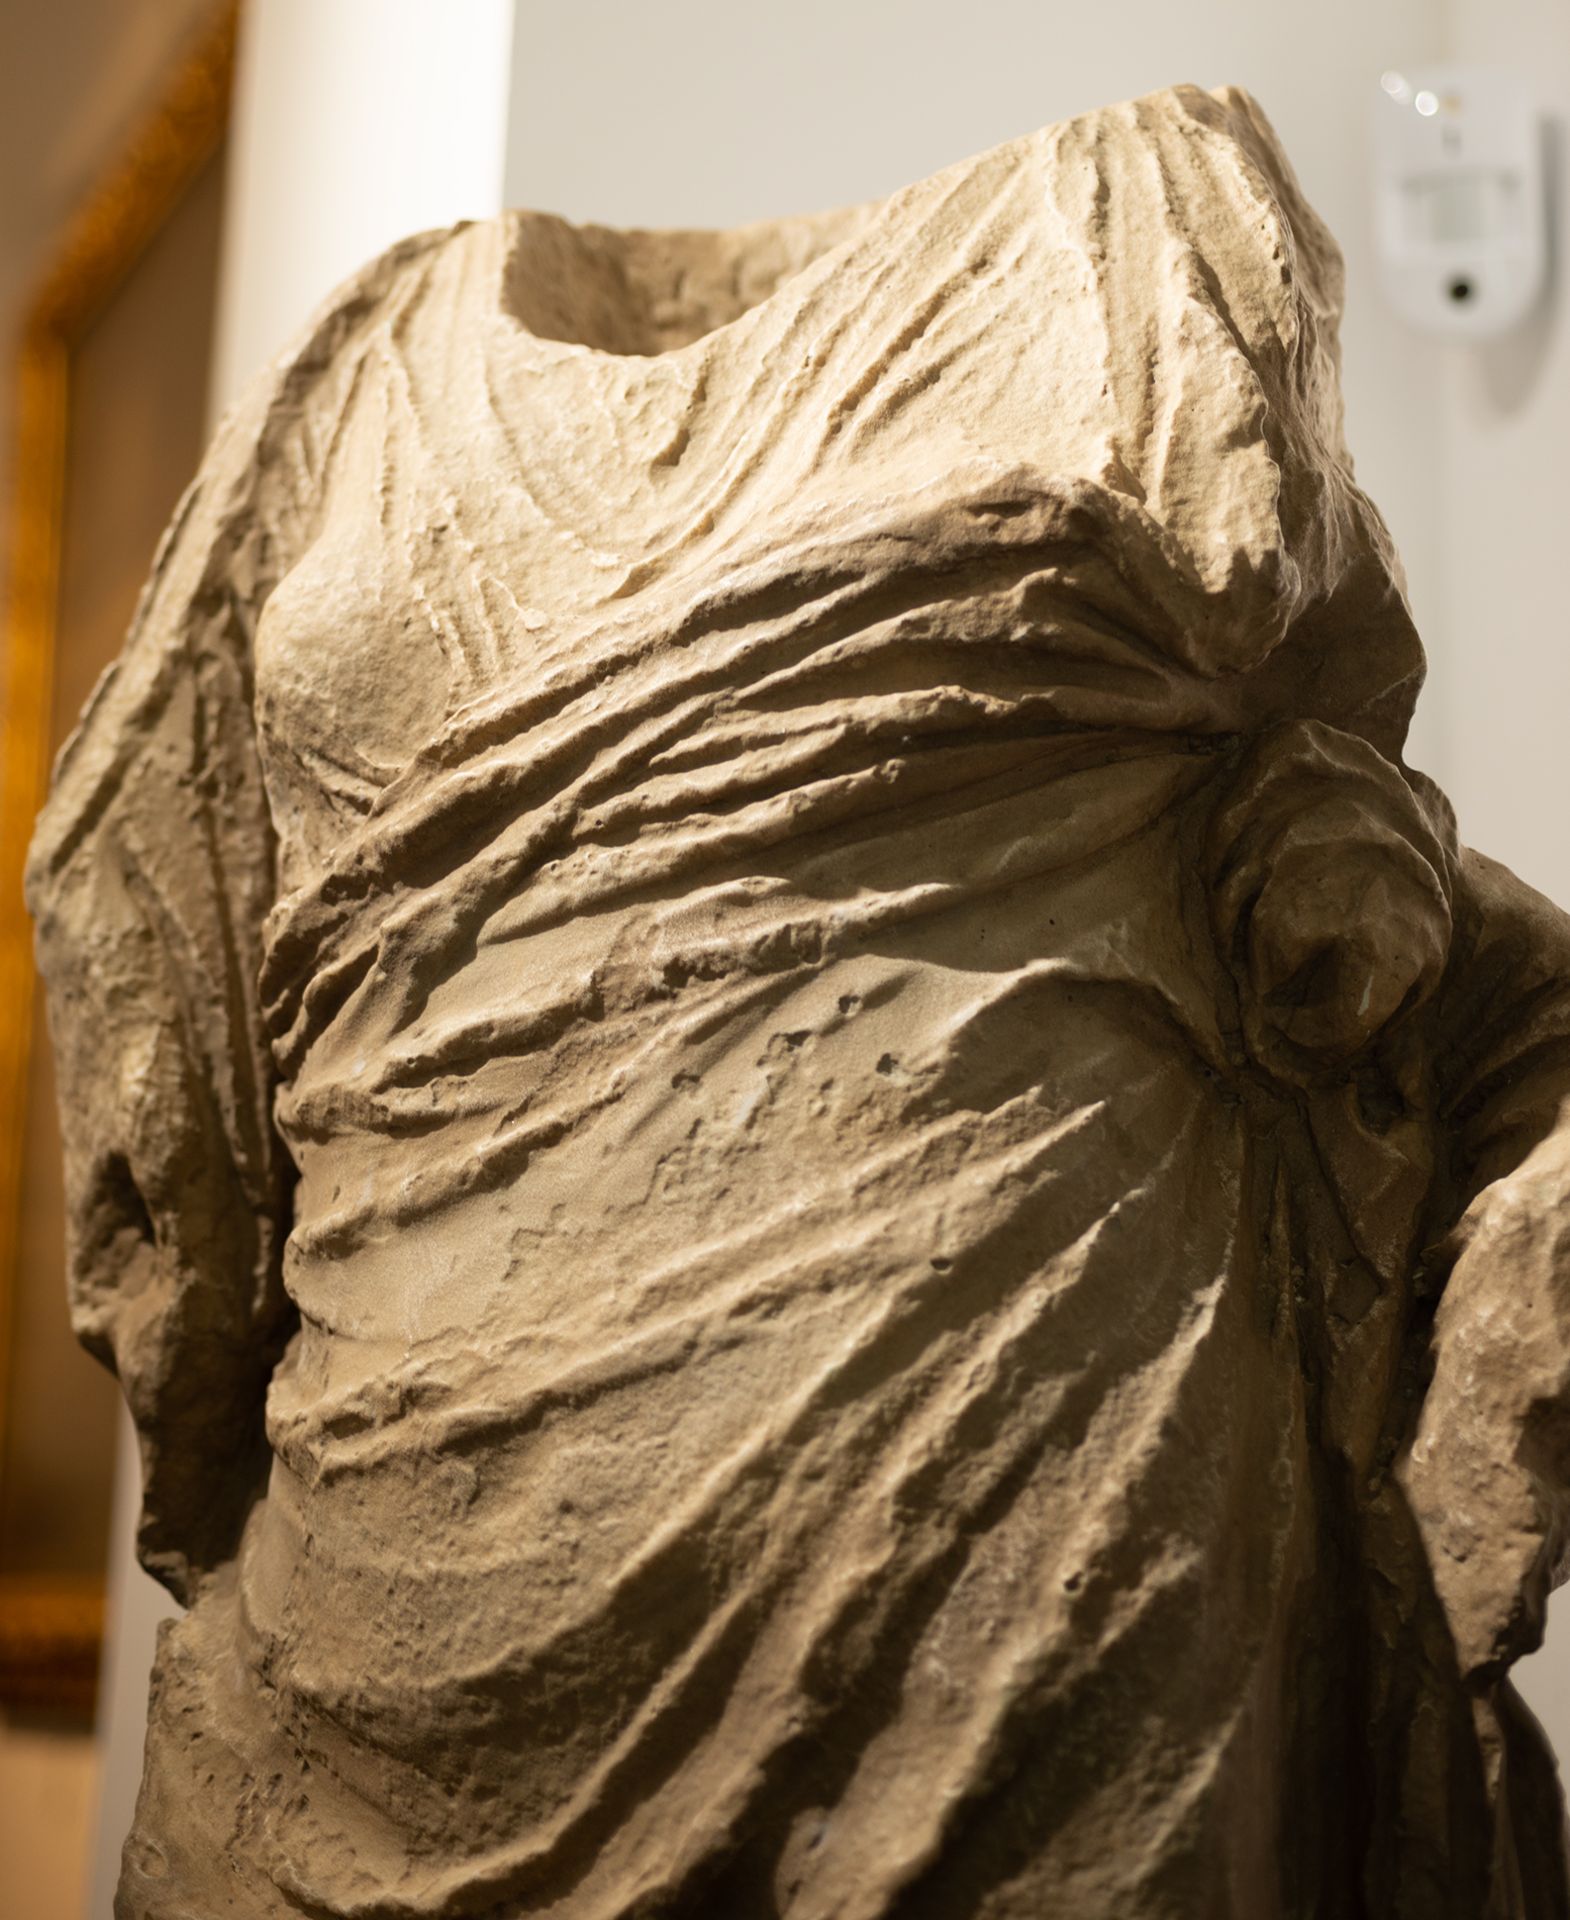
(745, 922)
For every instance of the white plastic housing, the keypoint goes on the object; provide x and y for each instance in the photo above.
(1461, 212)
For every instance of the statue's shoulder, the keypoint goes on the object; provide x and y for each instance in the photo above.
(320, 358)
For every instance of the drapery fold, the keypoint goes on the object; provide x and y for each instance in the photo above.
(777, 935)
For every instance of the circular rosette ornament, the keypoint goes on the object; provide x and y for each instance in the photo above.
(1329, 888)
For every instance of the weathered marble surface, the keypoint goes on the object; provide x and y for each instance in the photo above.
(744, 928)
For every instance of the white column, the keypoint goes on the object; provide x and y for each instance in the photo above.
(356, 122)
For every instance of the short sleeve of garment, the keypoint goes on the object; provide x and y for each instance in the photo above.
(1486, 1470)
(150, 876)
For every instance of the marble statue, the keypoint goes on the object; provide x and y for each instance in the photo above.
(823, 1194)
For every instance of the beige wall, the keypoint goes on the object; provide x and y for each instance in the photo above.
(75, 78)
(47, 1785)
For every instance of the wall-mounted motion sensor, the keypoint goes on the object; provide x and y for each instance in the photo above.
(1461, 210)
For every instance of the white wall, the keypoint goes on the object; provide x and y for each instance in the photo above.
(1504, 517)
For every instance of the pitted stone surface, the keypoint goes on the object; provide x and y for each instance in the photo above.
(769, 1075)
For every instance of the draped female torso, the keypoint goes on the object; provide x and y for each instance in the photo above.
(854, 1240)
